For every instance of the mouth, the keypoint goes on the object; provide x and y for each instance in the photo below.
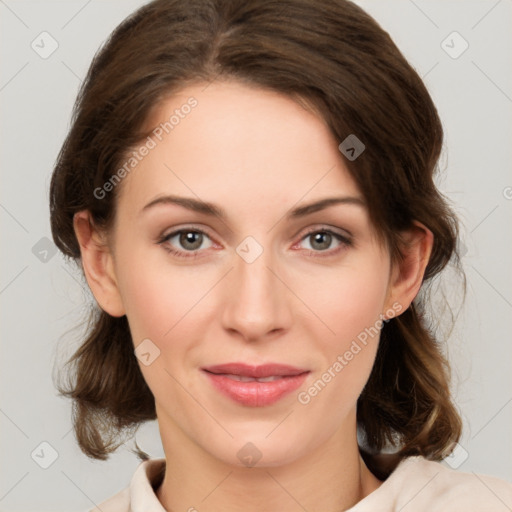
(255, 372)
(244, 378)
(255, 386)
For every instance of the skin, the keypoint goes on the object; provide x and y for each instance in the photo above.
(257, 155)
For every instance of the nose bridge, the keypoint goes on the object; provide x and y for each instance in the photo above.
(256, 301)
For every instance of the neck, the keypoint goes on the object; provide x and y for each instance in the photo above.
(331, 478)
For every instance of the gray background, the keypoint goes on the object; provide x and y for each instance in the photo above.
(42, 297)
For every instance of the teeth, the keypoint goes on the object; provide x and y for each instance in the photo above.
(243, 378)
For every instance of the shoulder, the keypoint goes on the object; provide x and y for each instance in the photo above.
(422, 485)
(462, 490)
(140, 494)
(436, 487)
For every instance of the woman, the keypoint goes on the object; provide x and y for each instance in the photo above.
(285, 352)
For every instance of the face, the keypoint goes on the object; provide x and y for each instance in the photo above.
(254, 283)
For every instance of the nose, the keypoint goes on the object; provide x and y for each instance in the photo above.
(257, 300)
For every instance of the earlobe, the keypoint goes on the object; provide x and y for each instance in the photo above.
(97, 263)
(407, 274)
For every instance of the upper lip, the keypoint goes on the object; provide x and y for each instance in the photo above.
(265, 370)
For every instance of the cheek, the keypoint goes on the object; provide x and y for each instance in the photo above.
(346, 300)
(155, 299)
(359, 304)
(157, 304)
(350, 304)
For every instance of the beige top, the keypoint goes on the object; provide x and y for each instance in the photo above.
(416, 485)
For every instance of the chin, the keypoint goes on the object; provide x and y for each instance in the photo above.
(257, 449)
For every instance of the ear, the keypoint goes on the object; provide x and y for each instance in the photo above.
(97, 263)
(407, 274)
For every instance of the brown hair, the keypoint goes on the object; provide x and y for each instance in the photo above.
(335, 58)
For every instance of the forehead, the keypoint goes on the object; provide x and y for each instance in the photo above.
(236, 144)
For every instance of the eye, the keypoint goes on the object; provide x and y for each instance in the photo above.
(322, 240)
(185, 241)
(188, 242)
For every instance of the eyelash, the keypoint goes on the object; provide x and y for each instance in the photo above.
(344, 242)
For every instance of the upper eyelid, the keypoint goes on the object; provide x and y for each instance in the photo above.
(175, 232)
(314, 229)
(323, 227)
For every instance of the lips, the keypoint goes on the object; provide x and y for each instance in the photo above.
(243, 378)
(255, 386)
(255, 372)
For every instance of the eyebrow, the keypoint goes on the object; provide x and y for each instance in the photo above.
(207, 208)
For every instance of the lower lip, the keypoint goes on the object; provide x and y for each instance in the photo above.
(256, 394)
